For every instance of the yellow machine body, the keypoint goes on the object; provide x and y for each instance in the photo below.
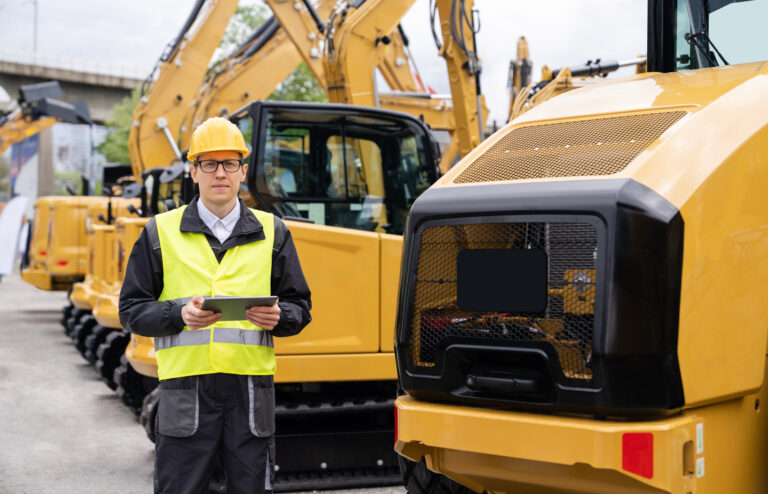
(709, 161)
(515, 452)
(127, 230)
(66, 255)
(100, 275)
(35, 273)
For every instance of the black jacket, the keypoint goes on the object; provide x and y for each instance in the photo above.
(143, 314)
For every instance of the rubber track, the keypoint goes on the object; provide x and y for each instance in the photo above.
(421, 480)
(338, 479)
(331, 407)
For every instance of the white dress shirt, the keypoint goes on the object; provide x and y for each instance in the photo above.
(221, 227)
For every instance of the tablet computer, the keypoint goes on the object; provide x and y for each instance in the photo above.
(233, 308)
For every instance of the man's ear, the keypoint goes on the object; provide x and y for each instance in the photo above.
(193, 173)
(245, 171)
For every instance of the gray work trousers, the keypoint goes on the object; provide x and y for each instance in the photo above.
(224, 415)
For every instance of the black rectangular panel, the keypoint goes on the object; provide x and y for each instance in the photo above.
(502, 280)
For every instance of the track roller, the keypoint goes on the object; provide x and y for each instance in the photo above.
(66, 313)
(98, 336)
(81, 330)
(108, 356)
(419, 479)
(73, 319)
(132, 387)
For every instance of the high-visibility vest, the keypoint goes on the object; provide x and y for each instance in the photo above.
(190, 268)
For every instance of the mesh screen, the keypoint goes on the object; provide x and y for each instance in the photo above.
(600, 146)
(568, 321)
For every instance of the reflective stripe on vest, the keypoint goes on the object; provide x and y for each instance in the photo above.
(190, 268)
(220, 335)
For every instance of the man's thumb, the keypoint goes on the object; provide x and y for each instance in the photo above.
(197, 300)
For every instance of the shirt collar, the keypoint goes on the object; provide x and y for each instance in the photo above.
(191, 222)
(210, 219)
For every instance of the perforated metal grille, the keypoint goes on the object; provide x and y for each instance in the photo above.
(600, 146)
(568, 321)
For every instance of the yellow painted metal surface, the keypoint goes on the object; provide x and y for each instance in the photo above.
(37, 277)
(468, 110)
(105, 308)
(35, 273)
(38, 244)
(506, 451)
(19, 128)
(723, 332)
(100, 239)
(334, 367)
(140, 352)
(115, 255)
(391, 257)
(67, 252)
(342, 268)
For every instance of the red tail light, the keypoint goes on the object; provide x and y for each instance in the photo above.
(395, 424)
(62, 263)
(637, 453)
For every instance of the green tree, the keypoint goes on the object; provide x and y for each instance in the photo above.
(246, 19)
(300, 85)
(115, 145)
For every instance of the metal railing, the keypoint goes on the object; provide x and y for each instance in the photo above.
(73, 64)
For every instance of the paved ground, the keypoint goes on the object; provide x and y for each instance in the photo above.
(62, 430)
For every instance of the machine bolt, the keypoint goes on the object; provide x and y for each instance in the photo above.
(277, 468)
(380, 463)
(323, 465)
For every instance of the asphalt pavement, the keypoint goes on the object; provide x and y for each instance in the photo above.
(62, 430)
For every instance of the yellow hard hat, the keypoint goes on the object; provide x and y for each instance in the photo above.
(216, 134)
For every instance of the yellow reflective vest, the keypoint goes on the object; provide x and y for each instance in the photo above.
(190, 268)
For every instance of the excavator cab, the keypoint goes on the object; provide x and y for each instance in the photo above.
(337, 165)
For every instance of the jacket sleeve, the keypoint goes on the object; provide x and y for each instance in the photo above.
(288, 284)
(140, 311)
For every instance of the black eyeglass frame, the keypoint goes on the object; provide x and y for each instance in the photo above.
(219, 162)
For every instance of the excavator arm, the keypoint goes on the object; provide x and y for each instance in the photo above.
(173, 84)
(37, 110)
(356, 40)
(18, 128)
(252, 72)
(458, 49)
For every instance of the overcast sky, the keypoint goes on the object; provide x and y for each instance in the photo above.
(132, 33)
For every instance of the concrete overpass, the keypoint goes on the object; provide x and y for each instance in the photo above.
(100, 85)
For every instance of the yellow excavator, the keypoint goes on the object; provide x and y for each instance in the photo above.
(582, 297)
(524, 94)
(37, 108)
(48, 266)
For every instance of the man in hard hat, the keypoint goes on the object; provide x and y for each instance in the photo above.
(216, 377)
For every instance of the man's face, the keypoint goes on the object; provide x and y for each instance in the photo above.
(220, 187)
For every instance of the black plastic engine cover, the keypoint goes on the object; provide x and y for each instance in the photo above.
(633, 355)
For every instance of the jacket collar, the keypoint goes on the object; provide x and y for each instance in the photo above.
(191, 222)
